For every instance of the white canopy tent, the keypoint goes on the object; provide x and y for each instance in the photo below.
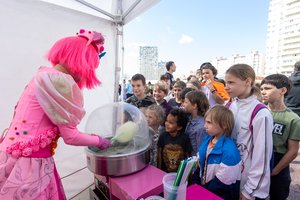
(30, 27)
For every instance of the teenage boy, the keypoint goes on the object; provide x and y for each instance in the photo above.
(286, 133)
(139, 97)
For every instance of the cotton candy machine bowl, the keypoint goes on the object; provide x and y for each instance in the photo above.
(117, 165)
(122, 158)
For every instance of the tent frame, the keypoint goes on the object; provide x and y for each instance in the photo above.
(118, 20)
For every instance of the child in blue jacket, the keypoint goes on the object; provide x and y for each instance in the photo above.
(220, 161)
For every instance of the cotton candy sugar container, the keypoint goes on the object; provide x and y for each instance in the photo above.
(127, 128)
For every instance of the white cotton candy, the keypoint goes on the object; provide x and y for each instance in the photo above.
(126, 132)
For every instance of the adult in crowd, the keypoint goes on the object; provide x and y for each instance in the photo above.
(129, 91)
(123, 90)
(293, 98)
(171, 68)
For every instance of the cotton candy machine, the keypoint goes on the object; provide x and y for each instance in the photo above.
(126, 126)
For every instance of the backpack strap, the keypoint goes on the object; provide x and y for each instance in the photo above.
(257, 108)
(228, 104)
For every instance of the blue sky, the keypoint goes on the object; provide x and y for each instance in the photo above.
(191, 32)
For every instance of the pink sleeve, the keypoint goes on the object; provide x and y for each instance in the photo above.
(62, 101)
(72, 136)
(60, 97)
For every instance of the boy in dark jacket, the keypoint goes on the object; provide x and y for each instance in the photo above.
(292, 100)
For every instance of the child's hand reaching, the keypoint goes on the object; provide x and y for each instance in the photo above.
(104, 143)
(209, 84)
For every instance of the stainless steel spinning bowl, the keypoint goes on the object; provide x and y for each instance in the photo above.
(119, 164)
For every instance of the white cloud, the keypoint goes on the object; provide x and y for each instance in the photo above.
(170, 31)
(185, 39)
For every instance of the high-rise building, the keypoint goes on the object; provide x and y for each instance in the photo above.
(283, 37)
(161, 68)
(255, 59)
(148, 62)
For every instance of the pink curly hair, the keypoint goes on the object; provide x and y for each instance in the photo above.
(79, 59)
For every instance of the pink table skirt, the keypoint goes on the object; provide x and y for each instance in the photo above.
(196, 192)
(142, 184)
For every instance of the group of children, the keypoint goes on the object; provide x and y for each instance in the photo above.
(244, 146)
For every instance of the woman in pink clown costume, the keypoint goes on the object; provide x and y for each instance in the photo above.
(50, 107)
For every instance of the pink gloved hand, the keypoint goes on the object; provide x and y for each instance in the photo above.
(104, 143)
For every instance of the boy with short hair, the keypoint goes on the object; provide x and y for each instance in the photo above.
(286, 133)
(139, 97)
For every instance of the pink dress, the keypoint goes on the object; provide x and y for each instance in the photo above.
(50, 107)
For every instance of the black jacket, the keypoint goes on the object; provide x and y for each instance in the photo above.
(292, 100)
(145, 102)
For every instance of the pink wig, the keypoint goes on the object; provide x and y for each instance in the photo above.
(78, 57)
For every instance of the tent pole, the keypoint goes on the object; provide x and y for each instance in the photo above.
(96, 8)
(119, 34)
(131, 8)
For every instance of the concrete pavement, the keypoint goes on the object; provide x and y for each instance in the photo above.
(295, 175)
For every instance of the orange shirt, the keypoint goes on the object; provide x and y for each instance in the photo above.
(220, 88)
